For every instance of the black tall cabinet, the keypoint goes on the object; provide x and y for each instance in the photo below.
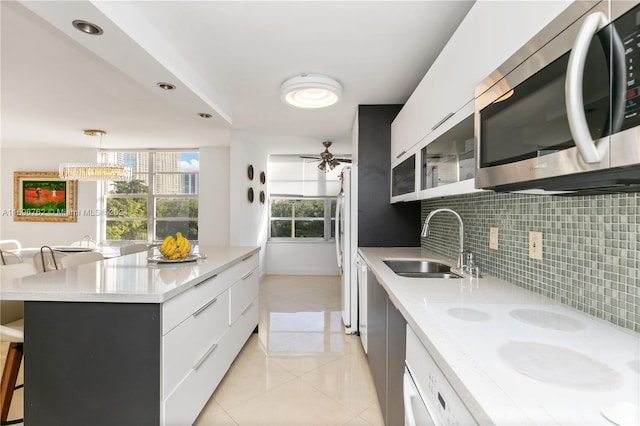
(380, 223)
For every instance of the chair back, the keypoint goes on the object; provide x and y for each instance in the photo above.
(81, 258)
(12, 310)
(9, 258)
(10, 245)
(133, 248)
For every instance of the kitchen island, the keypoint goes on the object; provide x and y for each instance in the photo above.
(129, 342)
(513, 356)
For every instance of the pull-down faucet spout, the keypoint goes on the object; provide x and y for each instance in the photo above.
(425, 231)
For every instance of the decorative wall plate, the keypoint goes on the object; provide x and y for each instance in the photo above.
(250, 172)
(262, 197)
(250, 195)
(263, 178)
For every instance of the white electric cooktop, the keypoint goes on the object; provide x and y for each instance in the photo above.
(559, 366)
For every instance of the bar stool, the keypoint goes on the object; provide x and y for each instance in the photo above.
(81, 258)
(133, 248)
(12, 330)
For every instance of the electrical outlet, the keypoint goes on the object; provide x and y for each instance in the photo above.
(493, 238)
(535, 245)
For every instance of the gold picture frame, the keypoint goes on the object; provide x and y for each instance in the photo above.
(43, 197)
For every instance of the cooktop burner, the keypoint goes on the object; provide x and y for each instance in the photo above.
(546, 319)
(469, 314)
(559, 366)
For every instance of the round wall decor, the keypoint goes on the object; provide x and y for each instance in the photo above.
(263, 178)
(250, 195)
(262, 197)
(250, 172)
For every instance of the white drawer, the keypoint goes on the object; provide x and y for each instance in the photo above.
(242, 293)
(182, 347)
(241, 330)
(187, 400)
(177, 309)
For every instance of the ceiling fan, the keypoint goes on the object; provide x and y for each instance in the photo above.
(327, 159)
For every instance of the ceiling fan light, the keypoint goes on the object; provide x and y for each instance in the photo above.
(310, 91)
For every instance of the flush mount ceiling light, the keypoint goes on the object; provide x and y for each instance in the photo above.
(310, 91)
(87, 27)
(95, 171)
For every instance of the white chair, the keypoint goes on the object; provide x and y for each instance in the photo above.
(9, 258)
(133, 248)
(81, 258)
(12, 330)
(10, 245)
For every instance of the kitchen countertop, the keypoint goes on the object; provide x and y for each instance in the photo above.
(513, 356)
(123, 279)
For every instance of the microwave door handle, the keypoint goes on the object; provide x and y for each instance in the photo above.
(573, 90)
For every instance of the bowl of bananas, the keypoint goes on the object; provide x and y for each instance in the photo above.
(175, 249)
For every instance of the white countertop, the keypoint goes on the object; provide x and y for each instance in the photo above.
(123, 279)
(516, 357)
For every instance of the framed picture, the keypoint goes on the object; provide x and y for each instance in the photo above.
(43, 197)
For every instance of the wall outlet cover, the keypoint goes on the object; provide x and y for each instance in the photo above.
(493, 238)
(535, 245)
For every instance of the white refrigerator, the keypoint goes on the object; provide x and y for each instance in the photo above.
(346, 237)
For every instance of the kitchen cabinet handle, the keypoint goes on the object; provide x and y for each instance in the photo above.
(247, 258)
(204, 281)
(246, 309)
(247, 276)
(205, 356)
(199, 311)
(401, 154)
(439, 123)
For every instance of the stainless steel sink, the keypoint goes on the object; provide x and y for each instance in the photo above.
(420, 268)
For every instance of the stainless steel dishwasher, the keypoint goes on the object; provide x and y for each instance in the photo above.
(429, 399)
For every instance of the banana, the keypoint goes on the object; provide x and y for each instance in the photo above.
(175, 248)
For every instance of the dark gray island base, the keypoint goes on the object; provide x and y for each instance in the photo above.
(124, 342)
(92, 364)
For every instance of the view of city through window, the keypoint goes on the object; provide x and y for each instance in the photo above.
(160, 199)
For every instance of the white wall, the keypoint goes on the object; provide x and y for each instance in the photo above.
(213, 201)
(248, 221)
(301, 258)
(36, 234)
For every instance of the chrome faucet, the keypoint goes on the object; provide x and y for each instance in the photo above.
(425, 231)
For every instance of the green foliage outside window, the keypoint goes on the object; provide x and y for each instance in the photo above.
(305, 216)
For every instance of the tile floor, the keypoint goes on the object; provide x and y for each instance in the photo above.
(300, 369)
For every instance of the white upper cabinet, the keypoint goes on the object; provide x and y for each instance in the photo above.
(491, 32)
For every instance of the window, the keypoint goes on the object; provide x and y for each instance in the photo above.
(302, 204)
(160, 199)
(302, 217)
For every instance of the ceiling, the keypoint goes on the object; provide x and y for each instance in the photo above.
(226, 58)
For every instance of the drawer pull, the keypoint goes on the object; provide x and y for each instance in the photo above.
(247, 258)
(199, 311)
(205, 356)
(247, 275)
(401, 154)
(439, 123)
(246, 309)
(204, 281)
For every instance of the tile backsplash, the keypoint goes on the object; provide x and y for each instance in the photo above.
(590, 246)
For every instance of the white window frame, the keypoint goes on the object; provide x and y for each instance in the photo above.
(151, 196)
(327, 219)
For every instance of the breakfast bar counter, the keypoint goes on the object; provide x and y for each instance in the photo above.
(127, 341)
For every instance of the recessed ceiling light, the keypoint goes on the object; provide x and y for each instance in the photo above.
(204, 115)
(166, 86)
(310, 91)
(87, 27)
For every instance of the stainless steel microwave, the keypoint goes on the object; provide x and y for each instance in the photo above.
(563, 113)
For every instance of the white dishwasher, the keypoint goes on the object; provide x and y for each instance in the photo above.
(429, 399)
